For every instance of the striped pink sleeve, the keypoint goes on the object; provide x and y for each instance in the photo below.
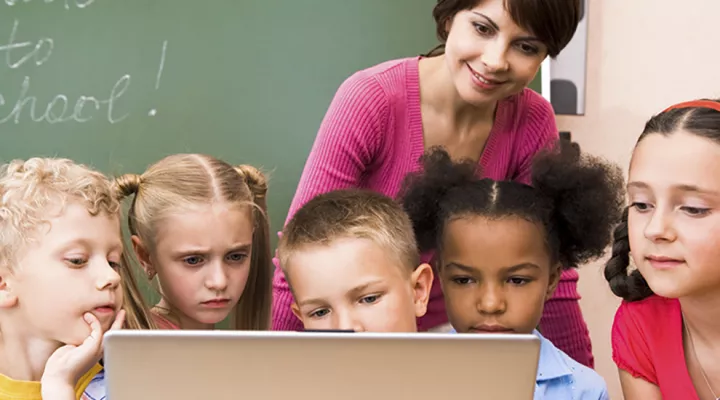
(346, 143)
(539, 132)
(562, 321)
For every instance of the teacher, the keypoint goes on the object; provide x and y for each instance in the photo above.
(468, 95)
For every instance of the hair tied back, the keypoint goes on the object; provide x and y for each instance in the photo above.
(127, 185)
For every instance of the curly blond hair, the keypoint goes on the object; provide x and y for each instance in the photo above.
(30, 189)
(181, 181)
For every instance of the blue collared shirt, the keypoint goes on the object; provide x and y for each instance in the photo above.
(559, 377)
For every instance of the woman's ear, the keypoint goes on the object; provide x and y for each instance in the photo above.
(421, 279)
(143, 256)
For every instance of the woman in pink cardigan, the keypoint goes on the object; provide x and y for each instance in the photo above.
(469, 95)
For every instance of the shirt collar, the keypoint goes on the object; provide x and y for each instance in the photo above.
(552, 364)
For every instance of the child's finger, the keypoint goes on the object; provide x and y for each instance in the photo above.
(93, 341)
(95, 326)
(119, 320)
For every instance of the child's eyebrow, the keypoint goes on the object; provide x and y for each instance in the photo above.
(88, 244)
(204, 250)
(687, 188)
(511, 269)
(361, 288)
(522, 266)
(460, 267)
(308, 302)
(241, 247)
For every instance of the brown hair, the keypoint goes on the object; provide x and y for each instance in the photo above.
(185, 180)
(553, 21)
(704, 122)
(351, 213)
(29, 188)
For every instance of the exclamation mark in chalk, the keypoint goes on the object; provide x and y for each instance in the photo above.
(153, 111)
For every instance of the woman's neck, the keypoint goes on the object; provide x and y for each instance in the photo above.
(702, 317)
(438, 91)
(23, 358)
(178, 318)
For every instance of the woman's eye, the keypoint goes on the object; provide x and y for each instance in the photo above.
(482, 29)
(528, 49)
(115, 265)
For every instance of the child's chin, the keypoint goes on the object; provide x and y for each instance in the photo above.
(77, 337)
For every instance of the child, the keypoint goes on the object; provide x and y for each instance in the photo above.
(63, 280)
(352, 263)
(501, 246)
(200, 225)
(666, 333)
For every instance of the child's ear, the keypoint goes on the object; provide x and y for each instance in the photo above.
(554, 280)
(421, 279)
(8, 299)
(296, 310)
(143, 255)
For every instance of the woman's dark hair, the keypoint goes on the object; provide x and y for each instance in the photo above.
(553, 21)
(701, 121)
(576, 198)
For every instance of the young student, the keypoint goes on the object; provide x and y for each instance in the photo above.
(63, 280)
(352, 262)
(501, 246)
(200, 226)
(666, 334)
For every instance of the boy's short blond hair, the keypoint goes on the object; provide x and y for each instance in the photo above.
(351, 213)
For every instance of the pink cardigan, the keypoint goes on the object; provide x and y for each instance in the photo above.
(372, 136)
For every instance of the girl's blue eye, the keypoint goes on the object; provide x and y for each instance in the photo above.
(192, 260)
(370, 299)
(320, 313)
(237, 257)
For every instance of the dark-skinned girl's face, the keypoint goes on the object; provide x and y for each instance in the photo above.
(496, 274)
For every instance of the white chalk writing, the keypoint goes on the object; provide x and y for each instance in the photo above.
(162, 65)
(60, 109)
(67, 3)
(41, 52)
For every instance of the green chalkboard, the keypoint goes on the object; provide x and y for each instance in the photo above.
(119, 84)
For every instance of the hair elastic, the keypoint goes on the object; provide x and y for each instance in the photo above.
(713, 105)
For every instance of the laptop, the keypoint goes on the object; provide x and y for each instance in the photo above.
(225, 365)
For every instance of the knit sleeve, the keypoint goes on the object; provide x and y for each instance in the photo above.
(350, 136)
(630, 350)
(539, 131)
